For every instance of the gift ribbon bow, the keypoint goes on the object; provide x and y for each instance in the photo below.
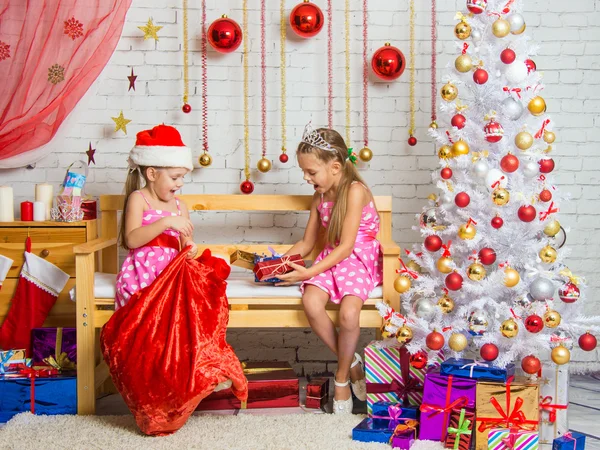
(462, 428)
(446, 248)
(540, 132)
(551, 209)
(465, 47)
(401, 389)
(478, 155)
(409, 425)
(569, 435)
(515, 90)
(566, 272)
(406, 271)
(460, 16)
(280, 268)
(61, 363)
(33, 373)
(547, 405)
(511, 440)
(472, 366)
(496, 183)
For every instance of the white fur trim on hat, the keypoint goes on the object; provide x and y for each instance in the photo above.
(161, 156)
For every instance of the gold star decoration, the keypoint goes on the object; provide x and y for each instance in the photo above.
(150, 30)
(121, 122)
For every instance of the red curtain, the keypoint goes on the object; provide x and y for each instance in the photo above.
(51, 51)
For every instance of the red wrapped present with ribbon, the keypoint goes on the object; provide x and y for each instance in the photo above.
(317, 392)
(460, 430)
(272, 268)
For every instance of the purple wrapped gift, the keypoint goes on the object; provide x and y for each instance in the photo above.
(403, 438)
(442, 395)
(58, 344)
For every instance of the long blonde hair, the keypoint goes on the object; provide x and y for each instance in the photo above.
(349, 175)
(132, 183)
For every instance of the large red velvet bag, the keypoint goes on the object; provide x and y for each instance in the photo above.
(166, 347)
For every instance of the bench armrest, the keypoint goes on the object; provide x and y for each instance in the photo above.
(94, 245)
(389, 247)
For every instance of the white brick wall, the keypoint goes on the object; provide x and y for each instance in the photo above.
(569, 57)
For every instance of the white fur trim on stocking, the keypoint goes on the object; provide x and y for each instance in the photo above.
(5, 264)
(44, 274)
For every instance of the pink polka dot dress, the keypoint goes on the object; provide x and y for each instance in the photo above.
(362, 271)
(142, 265)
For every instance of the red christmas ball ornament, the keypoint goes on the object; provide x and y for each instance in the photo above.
(224, 35)
(509, 163)
(480, 76)
(546, 165)
(569, 292)
(412, 141)
(497, 222)
(247, 187)
(462, 199)
(446, 173)
(458, 121)
(508, 56)
(435, 340)
(418, 360)
(487, 256)
(488, 352)
(493, 131)
(587, 342)
(534, 323)
(433, 243)
(454, 281)
(531, 365)
(545, 195)
(186, 108)
(527, 213)
(476, 6)
(531, 67)
(388, 63)
(284, 158)
(306, 19)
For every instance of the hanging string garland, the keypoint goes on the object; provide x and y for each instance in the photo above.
(186, 108)
(365, 153)
(347, 52)
(205, 159)
(329, 64)
(247, 186)
(433, 123)
(282, 38)
(411, 139)
(264, 165)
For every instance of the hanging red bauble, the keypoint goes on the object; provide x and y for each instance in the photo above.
(446, 173)
(527, 213)
(186, 108)
(224, 35)
(488, 352)
(508, 56)
(454, 281)
(587, 342)
(435, 340)
(534, 323)
(476, 6)
(247, 187)
(388, 62)
(462, 199)
(458, 121)
(412, 141)
(531, 365)
(545, 195)
(546, 165)
(433, 243)
(480, 76)
(284, 157)
(531, 67)
(509, 163)
(306, 19)
(493, 131)
(487, 256)
(569, 292)
(497, 222)
(418, 360)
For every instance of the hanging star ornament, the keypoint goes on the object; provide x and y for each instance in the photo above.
(131, 79)
(121, 122)
(150, 30)
(90, 155)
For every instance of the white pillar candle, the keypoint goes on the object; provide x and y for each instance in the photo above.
(39, 211)
(7, 209)
(44, 193)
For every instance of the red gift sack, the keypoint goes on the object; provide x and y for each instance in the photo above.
(166, 347)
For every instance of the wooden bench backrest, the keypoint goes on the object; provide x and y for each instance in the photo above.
(111, 204)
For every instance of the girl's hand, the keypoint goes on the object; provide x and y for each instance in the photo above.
(193, 251)
(181, 224)
(300, 273)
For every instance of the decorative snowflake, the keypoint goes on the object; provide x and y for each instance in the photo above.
(73, 28)
(56, 74)
(4, 51)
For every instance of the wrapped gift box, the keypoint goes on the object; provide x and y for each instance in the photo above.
(270, 385)
(391, 378)
(554, 400)
(477, 370)
(55, 344)
(441, 396)
(242, 259)
(500, 405)
(381, 430)
(391, 410)
(511, 439)
(267, 269)
(9, 359)
(404, 436)
(460, 429)
(317, 393)
(569, 441)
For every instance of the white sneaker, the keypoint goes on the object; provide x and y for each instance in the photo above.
(359, 387)
(342, 406)
(222, 386)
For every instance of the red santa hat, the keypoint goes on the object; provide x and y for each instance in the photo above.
(160, 147)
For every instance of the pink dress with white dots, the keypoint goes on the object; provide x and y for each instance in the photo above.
(142, 265)
(362, 271)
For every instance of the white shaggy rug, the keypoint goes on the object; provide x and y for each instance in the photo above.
(211, 432)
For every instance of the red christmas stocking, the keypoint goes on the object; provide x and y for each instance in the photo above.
(40, 283)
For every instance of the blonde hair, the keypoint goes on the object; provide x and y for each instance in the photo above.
(338, 153)
(132, 183)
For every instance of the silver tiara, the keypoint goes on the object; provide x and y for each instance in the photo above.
(312, 137)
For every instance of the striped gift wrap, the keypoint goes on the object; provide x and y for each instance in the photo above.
(507, 439)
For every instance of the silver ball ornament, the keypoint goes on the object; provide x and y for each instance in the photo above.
(428, 218)
(424, 308)
(476, 35)
(445, 200)
(478, 322)
(524, 301)
(480, 168)
(516, 72)
(563, 338)
(531, 169)
(512, 108)
(542, 289)
(516, 22)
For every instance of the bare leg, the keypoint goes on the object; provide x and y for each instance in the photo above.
(314, 301)
(347, 341)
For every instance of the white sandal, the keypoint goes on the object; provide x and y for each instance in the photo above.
(342, 406)
(359, 387)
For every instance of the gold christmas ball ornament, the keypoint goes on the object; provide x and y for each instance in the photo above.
(537, 106)
(511, 277)
(459, 148)
(446, 304)
(414, 266)
(476, 272)
(445, 152)
(404, 334)
(552, 228)
(264, 165)
(458, 342)
(509, 328)
(462, 30)
(500, 196)
(523, 140)
(501, 28)
(402, 284)
(449, 92)
(386, 334)
(433, 125)
(463, 63)
(365, 154)
(205, 160)
(467, 231)
(548, 254)
(560, 355)
(552, 318)
(445, 264)
(549, 137)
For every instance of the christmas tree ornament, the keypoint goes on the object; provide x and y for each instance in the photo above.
(552, 228)
(549, 137)
(487, 256)
(247, 187)
(516, 22)
(205, 160)
(531, 365)
(569, 292)
(560, 355)
(365, 154)
(131, 79)
(445, 152)
(488, 352)
(428, 218)
(477, 322)
(120, 122)
(480, 169)
(449, 92)
(511, 277)
(458, 121)
(388, 63)
(523, 140)
(446, 173)
(546, 165)
(458, 342)
(476, 36)
(435, 340)
(445, 199)
(512, 108)
(264, 165)
(497, 222)
(404, 334)
(534, 323)
(493, 131)
(462, 200)
(385, 334)
(467, 231)
(433, 71)
(531, 67)
(508, 56)
(224, 35)
(531, 169)
(552, 318)
(402, 284)
(446, 304)
(587, 342)
(414, 266)
(545, 195)
(433, 125)
(476, 272)
(460, 148)
(306, 19)
(516, 73)
(453, 281)
(445, 264)
(541, 289)
(433, 243)
(186, 108)
(537, 106)
(509, 163)
(423, 308)
(462, 30)
(548, 255)
(150, 30)
(418, 360)
(500, 28)
(463, 63)
(527, 213)
(480, 76)
(412, 141)
(560, 238)
(283, 157)
(509, 328)
(476, 6)
(90, 154)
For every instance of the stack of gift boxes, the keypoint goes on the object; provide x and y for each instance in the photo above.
(463, 403)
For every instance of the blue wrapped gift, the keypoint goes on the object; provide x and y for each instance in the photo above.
(478, 370)
(52, 395)
(373, 430)
(394, 411)
(569, 441)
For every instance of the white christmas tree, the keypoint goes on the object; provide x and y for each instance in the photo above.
(490, 262)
